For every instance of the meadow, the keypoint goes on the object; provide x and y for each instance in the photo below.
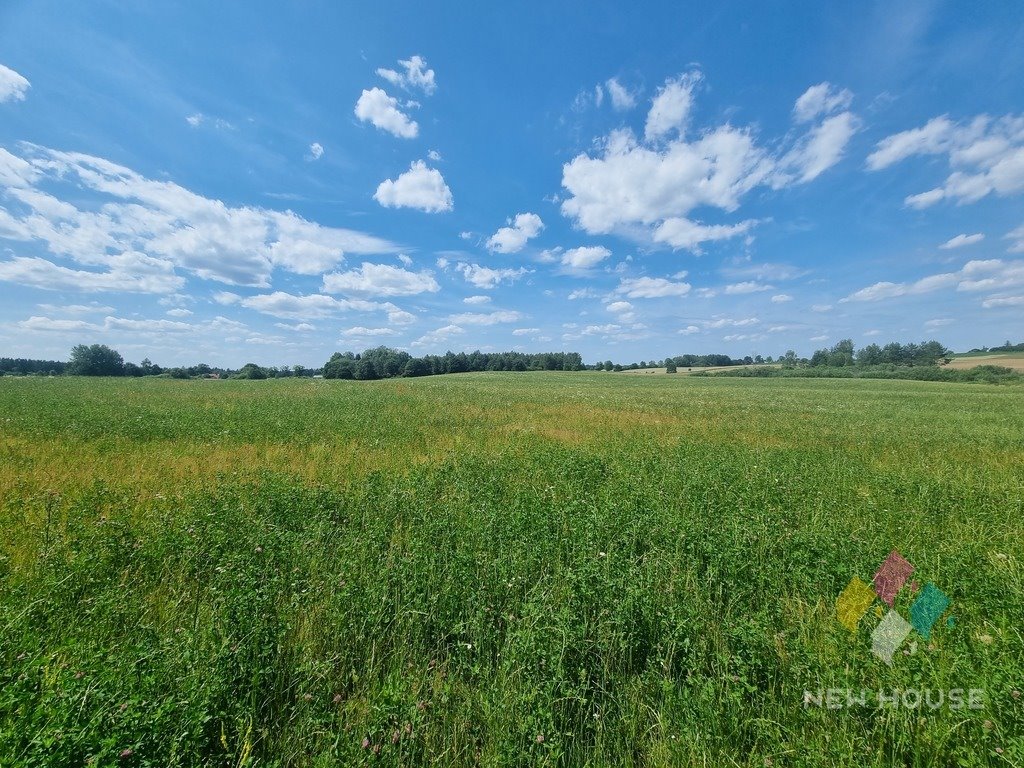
(502, 569)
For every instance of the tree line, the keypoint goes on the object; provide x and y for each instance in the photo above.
(386, 363)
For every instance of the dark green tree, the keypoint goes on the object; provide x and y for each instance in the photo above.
(95, 360)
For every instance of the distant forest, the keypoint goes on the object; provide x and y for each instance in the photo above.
(385, 362)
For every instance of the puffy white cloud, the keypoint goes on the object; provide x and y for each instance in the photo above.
(670, 109)
(195, 120)
(380, 280)
(512, 238)
(164, 225)
(292, 307)
(985, 156)
(821, 99)
(179, 312)
(939, 322)
(821, 307)
(689, 330)
(476, 300)
(415, 75)
(525, 331)
(298, 327)
(226, 297)
(961, 240)
(619, 306)
(13, 86)
(376, 107)
(622, 98)
(781, 298)
(585, 257)
(420, 187)
(486, 318)
(583, 293)
(316, 150)
(440, 336)
(651, 288)
(152, 327)
(747, 286)
(650, 187)
(486, 277)
(730, 322)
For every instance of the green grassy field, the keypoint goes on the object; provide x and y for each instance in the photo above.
(501, 569)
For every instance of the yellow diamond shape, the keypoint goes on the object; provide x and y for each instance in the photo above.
(853, 603)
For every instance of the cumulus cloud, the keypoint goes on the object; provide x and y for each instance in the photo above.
(151, 327)
(414, 75)
(651, 288)
(363, 331)
(525, 331)
(383, 111)
(440, 336)
(476, 300)
(512, 238)
(781, 298)
(649, 188)
(140, 231)
(316, 150)
(985, 156)
(380, 280)
(315, 306)
(420, 187)
(821, 99)
(670, 109)
(1016, 238)
(13, 86)
(585, 257)
(961, 240)
(487, 277)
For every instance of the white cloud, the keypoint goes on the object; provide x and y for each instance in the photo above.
(299, 327)
(13, 86)
(316, 150)
(821, 307)
(179, 312)
(619, 306)
(486, 277)
(380, 280)
(730, 322)
(376, 107)
(146, 327)
(226, 297)
(670, 109)
(292, 307)
(76, 309)
(1003, 301)
(983, 275)
(583, 293)
(748, 286)
(137, 226)
(961, 240)
(585, 257)
(130, 272)
(360, 330)
(621, 97)
(650, 188)
(476, 300)
(486, 318)
(821, 99)
(440, 336)
(512, 238)
(420, 187)
(1017, 238)
(415, 75)
(781, 298)
(525, 331)
(985, 156)
(689, 330)
(939, 322)
(651, 287)
(195, 120)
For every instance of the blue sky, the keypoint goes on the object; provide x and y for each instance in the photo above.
(278, 181)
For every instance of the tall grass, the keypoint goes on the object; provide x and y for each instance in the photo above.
(499, 569)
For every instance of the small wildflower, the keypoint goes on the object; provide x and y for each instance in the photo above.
(126, 753)
(986, 639)
(421, 706)
(308, 696)
(987, 725)
(79, 675)
(366, 742)
(395, 736)
(375, 749)
(540, 738)
(408, 729)
(337, 698)
(259, 550)
(999, 750)
(1016, 694)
